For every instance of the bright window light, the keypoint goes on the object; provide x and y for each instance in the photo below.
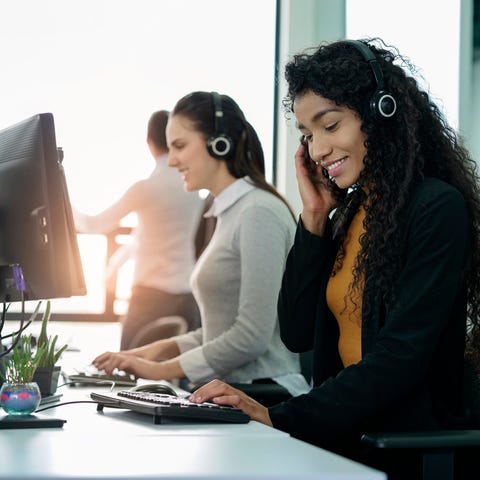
(428, 32)
(103, 66)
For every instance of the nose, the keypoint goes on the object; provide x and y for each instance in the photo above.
(172, 161)
(319, 148)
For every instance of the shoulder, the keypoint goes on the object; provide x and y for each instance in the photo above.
(431, 187)
(260, 215)
(260, 203)
(166, 183)
(166, 177)
(135, 190)
(439, 212)
(433, 194)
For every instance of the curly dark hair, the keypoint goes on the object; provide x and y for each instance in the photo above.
(247, 157)
(415, 143)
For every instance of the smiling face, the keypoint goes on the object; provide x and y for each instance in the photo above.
(333, 136)
(188, 153)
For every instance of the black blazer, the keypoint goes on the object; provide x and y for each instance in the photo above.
(410, 374)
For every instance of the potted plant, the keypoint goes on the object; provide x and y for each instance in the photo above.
(47, 355)
(19, 394)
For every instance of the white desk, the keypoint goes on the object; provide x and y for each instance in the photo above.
(118, 444)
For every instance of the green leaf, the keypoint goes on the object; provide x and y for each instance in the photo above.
(46, 355)
(21, 364)
(43, 338)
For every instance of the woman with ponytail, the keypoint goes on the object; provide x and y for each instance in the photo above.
(237, 278)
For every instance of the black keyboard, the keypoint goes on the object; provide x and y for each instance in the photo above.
(92, 377)
(163, 407)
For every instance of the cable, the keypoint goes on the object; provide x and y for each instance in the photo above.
(20, 330)
(77, 401)
(22, 327)
(66, 383)
(111, 382)
(70, 403)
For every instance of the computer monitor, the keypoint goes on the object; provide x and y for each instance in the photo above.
(37, 233)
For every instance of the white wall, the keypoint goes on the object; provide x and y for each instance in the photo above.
(442, 49)
(103, 66)
(304, 23)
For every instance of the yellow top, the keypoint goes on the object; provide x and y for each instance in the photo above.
(347, 310)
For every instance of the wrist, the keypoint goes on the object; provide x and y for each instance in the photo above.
(171, 369)
(314, 222)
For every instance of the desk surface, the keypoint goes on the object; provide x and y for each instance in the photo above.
(128, 445)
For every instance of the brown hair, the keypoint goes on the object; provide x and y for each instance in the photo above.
(156, 129)
(247, 157)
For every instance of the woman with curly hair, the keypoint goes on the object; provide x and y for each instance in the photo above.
(383, 280)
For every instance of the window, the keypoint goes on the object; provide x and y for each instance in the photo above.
(435, 52)
(103, 66)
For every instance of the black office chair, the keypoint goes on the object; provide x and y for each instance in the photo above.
(164, 327)
(266, 391)
(440, 449)
(269, 393)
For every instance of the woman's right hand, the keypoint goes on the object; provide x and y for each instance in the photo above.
(317, 197)
(223, 394)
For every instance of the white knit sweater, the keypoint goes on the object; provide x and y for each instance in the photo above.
(236, 283)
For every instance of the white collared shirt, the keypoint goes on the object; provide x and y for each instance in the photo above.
(229, 196)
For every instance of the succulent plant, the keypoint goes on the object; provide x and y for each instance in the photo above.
(21, 364)
(47, 354)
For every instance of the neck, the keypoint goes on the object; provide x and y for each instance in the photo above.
(221, 183)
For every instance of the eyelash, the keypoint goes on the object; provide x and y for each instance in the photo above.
(332, 127)
(329, 128)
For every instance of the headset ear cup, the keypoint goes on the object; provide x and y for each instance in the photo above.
(220, 146)
(383, 105)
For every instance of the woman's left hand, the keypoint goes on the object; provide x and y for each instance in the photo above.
(221, 393)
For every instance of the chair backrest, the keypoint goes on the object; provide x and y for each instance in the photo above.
(445, 454)
(306, 360)
(472, 390)
(164, 327)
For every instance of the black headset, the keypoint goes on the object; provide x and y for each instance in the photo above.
(220, 145)
(382, 105)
